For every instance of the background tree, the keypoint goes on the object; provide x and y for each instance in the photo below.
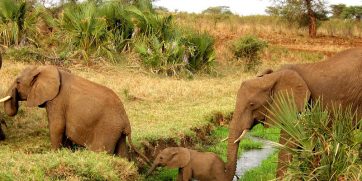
(218, 10)
(352, 12)
(337, 9)
(304, 12)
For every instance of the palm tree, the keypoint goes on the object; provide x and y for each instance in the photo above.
(12, 14)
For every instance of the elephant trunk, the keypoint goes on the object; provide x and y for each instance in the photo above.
(153, 167)
(236, 131)
(11, 103)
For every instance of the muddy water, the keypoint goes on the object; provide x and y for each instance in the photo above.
(253, 158)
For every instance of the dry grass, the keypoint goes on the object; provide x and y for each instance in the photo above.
(157, 107)
(273, 30)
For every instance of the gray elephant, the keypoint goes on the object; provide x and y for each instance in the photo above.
(84, 112)
(337, 81)
(203, 166)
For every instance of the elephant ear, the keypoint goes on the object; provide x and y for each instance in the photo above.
(264, 72)
(291, 82)
(181, 157)
(45, 85)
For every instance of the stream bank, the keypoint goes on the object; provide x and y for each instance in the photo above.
(208, 138)
(253, 158)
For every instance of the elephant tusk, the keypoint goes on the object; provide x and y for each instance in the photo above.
(241, 136)
(224, 139)
(5, 98)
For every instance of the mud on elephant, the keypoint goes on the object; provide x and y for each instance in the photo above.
(84, 112)
(203, 166)
(337, 81)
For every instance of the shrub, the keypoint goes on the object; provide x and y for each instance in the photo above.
(12, 14)
(248, 49)
(177, 54)
(84, 31)
(327, 143)
(202, 55)
(162, 57)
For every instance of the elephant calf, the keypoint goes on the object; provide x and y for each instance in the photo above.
(192, 164)
(79, 110)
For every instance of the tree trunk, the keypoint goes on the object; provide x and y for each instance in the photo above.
(312, 19)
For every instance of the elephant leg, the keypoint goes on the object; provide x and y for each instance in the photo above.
(121, 147)
(186, 173)
(67, 143)
(56, 129)
(2, 135)
(284, 157)
(179, 175)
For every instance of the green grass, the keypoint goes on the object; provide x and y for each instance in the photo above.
(64, 164)
(270, 133)
(266, 171)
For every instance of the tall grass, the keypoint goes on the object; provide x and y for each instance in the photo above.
(96, 31)
(12, 14)
(324, 143)
(339, 27)
(84, 31)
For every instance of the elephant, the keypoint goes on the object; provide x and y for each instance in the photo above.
(191, 163)
(336, 81)
(84, 112)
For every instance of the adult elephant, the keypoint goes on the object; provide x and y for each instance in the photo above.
(84, 112)
(338, 81)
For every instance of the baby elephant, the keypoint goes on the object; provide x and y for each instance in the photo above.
(192, 164)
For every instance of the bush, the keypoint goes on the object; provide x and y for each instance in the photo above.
(179, 54)
(12, 14)
(162, 57)
(84, 31)
(202, 55)
(327, 143)
(248, 49)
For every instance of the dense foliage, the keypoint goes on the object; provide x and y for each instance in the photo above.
(96, 31)
(325, 144)
(248, 50)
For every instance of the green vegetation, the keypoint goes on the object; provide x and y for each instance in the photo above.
(266, 170)
(65, 164)
(343, 11)
(248, 49)
(97, 31)
(325, 144)
(12, 14)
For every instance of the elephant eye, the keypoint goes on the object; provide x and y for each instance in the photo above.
(251, 104)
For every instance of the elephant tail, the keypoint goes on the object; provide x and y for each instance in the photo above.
(138, 152)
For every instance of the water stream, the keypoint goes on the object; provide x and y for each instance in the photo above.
(253, 158)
